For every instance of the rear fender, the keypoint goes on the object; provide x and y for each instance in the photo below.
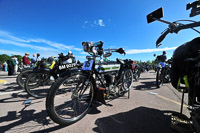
(41, 70)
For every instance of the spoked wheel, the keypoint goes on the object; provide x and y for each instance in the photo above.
(159, 79)
(127, 82)
(21, 78)
(38, 84)
(69, 99)
(136, 75)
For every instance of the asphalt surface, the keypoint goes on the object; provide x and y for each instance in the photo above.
(148, 110)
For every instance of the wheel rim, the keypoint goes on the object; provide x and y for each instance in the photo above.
(159, 78)
(73, 98)
(128, 79)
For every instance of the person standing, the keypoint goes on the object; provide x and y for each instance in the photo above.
(162, 59)
(33, 59)
(38, 57)
(11, 64)
(16, 65)
(25, 59)
(5, 66)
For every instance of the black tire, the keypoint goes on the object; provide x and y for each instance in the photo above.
(174, 77)
(127, 81)
(137, 75)
(168, 79)
(159, 80)
(21, 78)
(77, 106)
(38, 84)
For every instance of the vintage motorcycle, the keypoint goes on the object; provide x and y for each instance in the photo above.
(70, 98)
(44, 74)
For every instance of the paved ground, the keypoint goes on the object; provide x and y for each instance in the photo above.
(147, 111)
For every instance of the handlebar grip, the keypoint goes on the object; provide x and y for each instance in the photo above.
(162, 37)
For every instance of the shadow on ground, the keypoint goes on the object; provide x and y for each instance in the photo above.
(149, 85)
(27, 121)
(15, 97)
(139, 120)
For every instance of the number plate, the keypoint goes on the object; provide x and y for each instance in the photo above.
(66, 66)
(87, 65)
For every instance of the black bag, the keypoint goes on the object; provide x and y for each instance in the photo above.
(179, 67)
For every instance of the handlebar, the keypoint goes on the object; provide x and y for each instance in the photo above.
(119, 50)
(175, 28)
(96, 49)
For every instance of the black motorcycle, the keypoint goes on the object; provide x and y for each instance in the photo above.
(185, 69)
(71, 97)
(44, 74)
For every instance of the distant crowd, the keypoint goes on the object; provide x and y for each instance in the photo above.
(12, 64)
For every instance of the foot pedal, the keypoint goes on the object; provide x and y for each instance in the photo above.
(100, 95)
(181, 123)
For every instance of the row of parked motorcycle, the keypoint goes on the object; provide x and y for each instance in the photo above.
(71, 88)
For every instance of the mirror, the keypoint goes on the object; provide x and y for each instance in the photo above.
(157, 14)
(195, 8)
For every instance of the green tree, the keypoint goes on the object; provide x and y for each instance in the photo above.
(4, 58)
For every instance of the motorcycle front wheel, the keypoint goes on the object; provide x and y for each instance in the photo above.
(159, 80)
(69, 99)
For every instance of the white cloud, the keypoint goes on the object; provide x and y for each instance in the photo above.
(96, 22)
(8, 37)
(81, 57)
(138, 51)
(4, 41)
(101, 22)
(77, 49)
(83, 53)
(53, 44)
(10, 52)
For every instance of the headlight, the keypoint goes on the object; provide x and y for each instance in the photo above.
(87, 46)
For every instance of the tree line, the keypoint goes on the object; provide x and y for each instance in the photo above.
(5, 58)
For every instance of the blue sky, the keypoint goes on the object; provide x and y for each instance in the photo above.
(50, 27)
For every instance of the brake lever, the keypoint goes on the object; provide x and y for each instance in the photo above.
(161, 38)
(158, 45)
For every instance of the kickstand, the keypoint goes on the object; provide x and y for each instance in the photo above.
(182, 102)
